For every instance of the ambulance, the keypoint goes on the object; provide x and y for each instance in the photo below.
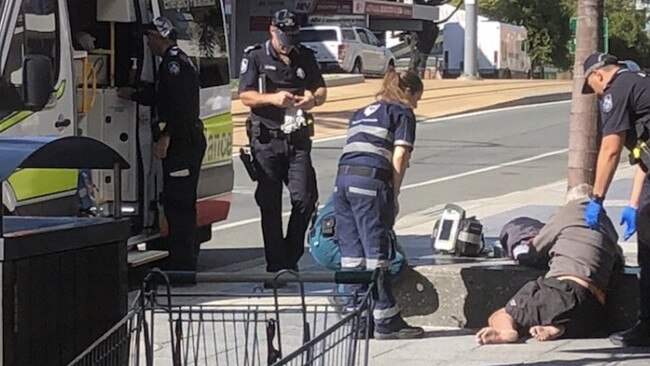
(62, 63)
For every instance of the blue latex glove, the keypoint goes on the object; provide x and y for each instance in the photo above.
(628, 217)
(592, 211)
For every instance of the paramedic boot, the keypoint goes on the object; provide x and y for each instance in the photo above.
(398, 329)
(637, 336)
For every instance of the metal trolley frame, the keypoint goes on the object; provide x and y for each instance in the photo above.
(169, 326)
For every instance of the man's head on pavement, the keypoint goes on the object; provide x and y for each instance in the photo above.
(161, 34)
(284, 29)
(579, 192)
(599, 68)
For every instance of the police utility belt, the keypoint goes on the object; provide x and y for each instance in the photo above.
(640, 153)
(292, 123)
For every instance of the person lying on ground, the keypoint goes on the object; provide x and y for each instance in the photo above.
(571, 295)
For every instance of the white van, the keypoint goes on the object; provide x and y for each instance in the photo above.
(502, 50)
(348, 49)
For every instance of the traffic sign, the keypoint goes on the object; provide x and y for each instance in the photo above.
(573, 25)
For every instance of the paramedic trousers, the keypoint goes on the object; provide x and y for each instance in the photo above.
(643, 239)
(364, 210)
(181, 169)
(278, 161)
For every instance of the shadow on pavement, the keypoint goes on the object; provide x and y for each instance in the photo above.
(214, 259)
(581, 362)
(613, 351)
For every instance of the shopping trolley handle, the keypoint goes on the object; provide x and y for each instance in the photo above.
(355, 277)
(339, 277)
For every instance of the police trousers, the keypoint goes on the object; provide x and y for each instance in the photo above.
(364, 209)
(281, 161)
(181, 169)
(643, 242)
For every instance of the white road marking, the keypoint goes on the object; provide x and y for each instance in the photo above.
(421, 184)
(486, 169)
(457, 116)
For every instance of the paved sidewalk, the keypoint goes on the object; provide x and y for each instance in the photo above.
(453, 346)
(441, 98)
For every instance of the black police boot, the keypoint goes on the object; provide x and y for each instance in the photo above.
(637, 336)
(399, 329)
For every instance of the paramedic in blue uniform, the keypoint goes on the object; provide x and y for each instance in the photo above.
(370, 173)
(276, 79)
(179, 140)
(624, 99)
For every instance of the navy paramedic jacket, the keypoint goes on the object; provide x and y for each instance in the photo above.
(373, 133)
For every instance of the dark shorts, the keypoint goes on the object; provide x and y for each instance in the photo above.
(549, 301)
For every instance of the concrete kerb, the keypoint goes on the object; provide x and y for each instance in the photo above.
(443, 291)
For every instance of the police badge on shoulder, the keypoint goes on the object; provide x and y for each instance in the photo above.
(607, 103)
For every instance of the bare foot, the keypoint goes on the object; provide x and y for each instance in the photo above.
(546, 332)
(490, 335)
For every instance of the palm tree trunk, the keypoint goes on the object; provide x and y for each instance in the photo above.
(583, 144)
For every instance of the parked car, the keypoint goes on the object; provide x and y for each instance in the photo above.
(347, 49)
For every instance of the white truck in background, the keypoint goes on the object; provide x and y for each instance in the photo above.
(502, 50)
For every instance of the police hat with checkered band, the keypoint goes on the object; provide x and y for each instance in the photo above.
(288, 25)
(594, 62)
(164, 27)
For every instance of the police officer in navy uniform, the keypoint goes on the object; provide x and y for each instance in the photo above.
(179, 140)
(624, 102)
(280, 81)
(380, 139)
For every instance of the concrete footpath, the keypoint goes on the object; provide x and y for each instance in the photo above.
(445, 345)
(441, 98)
(453, 346)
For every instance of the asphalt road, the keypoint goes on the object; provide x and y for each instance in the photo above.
(455, 159)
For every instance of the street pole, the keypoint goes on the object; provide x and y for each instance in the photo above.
(471, 43)
(583, 144)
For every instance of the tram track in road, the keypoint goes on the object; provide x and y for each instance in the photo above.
(474, 89)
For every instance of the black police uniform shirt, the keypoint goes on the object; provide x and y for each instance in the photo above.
(625, 100)
(177, 101)
(373, 133)
(302, 73)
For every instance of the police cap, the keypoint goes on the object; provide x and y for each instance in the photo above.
(288, 26)
(594, 62)
(164, 27)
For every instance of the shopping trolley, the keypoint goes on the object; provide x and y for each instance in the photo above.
(170, 326)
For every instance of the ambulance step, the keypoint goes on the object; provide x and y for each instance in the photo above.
(139, 240)
(137, 258)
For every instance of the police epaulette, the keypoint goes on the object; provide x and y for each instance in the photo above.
(253, 47)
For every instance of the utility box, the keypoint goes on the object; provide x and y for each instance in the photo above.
(64, 283)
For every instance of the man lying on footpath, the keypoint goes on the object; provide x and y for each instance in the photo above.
(570, 297)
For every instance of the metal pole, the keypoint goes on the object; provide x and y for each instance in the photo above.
(2, 209)
(583, 133)
(117, 191)
(471, 43)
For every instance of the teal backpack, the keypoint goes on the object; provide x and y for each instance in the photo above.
(323, 245)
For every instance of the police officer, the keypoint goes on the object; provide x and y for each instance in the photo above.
(280, 80)
(179, 140)
(624, 101)
(370, 174)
